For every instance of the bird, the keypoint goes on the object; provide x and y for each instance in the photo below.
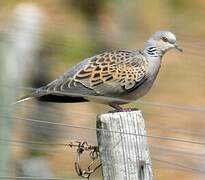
(120, 76)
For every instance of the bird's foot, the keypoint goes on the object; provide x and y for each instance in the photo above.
(119, 108)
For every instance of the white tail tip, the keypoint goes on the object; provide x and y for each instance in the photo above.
(22, 100)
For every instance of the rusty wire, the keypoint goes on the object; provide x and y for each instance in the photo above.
(94, 156)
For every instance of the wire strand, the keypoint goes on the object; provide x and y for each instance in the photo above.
(187, 168)
(92, 115)
(159, 150)
(29, 178)
(51, 109)
(32, 142)
(195, 170)
(22, 143)
(164, 105)
(97, 129)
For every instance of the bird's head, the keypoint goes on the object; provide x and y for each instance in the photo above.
(163, 41)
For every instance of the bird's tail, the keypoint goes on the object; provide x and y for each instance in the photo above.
(27, 97)
(24, 98)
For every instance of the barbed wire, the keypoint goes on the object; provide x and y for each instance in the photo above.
(186, 168)
(81, 147)
(71, 143)
(185, 108)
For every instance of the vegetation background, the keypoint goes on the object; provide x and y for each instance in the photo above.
(68, 31)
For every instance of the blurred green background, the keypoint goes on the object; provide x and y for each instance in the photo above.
(40, 40)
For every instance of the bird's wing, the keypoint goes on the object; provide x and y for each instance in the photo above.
(111, 74)
(114, 73)
(65, 84)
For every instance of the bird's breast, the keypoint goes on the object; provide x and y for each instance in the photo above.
(153, 69)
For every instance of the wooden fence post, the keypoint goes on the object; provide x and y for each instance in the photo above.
(123, 146)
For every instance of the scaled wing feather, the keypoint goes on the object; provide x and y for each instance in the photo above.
(114, 73)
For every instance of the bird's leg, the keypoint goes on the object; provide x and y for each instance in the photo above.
(117, 107)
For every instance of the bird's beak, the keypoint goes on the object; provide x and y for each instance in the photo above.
(178, 47)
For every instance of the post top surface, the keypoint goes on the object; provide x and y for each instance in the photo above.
(125, 113)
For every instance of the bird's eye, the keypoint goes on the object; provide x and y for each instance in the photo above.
(164, 39)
